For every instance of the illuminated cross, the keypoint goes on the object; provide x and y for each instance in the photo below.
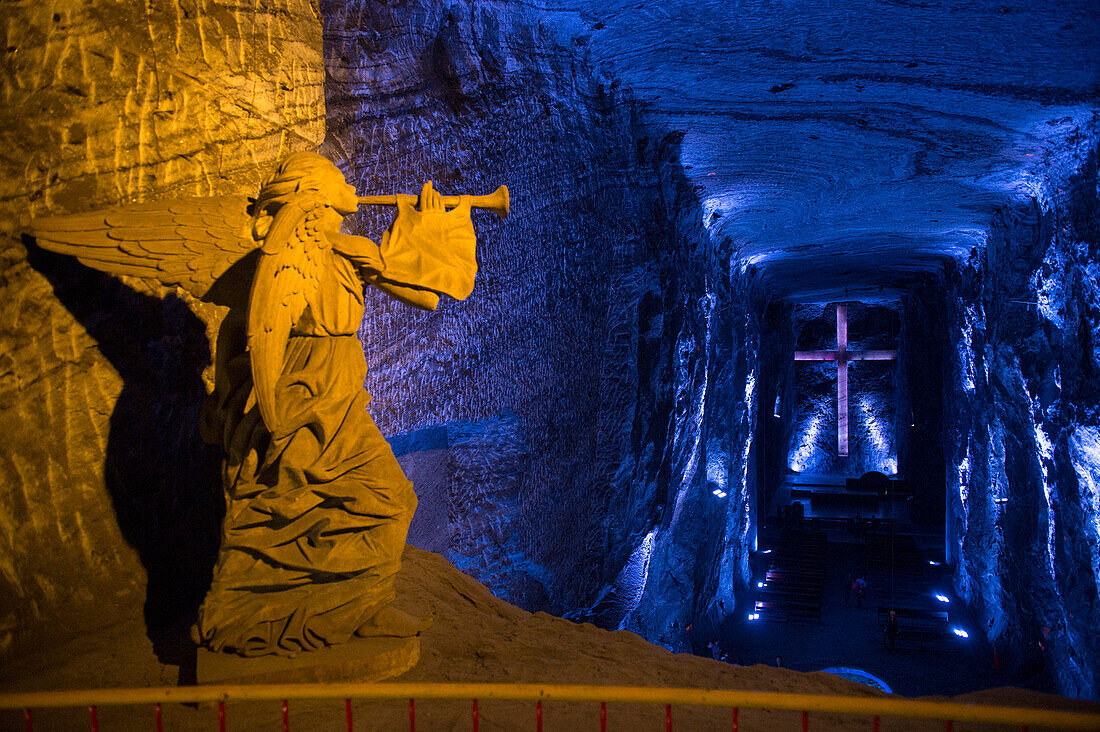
(842, 356)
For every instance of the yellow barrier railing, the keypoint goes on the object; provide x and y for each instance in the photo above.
(862, 706)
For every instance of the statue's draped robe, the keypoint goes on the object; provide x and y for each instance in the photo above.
(316, 511)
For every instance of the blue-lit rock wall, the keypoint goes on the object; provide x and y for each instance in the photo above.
(569, 424)
(1022, 422)
(684, 489)
(533, 378)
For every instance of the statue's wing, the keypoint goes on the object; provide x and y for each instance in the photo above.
(186, 242)
(286, 278)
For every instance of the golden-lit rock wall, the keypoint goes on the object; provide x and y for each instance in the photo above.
(100, 382)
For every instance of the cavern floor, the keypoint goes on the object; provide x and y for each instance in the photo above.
(476, 637)
(849, 636)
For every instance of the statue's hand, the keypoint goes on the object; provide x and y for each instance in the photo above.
(431, 248)
(430, 200)
(413, 227)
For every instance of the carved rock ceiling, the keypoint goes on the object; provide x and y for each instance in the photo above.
(858, 144)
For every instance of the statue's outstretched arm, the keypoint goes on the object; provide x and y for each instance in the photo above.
(359, 250)
(367, 258)
(415, 296)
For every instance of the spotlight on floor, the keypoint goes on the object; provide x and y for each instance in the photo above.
(960, 632)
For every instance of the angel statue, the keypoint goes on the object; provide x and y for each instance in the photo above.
(317, 507)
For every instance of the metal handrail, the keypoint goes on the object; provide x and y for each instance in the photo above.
(863, 706)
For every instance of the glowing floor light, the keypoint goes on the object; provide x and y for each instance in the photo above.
(942, 598)
(719, 492)
(860, 677)
(754, 616)
(759, 584)
(960, 632)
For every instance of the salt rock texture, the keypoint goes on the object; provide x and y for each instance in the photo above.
(683, 176)
(1022, 438)
(468, 478)
(104, 479)
(476, 638)
(847, 149)
(470, 97)
(692, 461)
(473, 96)
(944, 154)
(597, 327)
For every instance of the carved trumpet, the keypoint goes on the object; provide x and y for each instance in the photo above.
(497, 201)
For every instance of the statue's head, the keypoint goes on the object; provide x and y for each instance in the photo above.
(300, 174)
